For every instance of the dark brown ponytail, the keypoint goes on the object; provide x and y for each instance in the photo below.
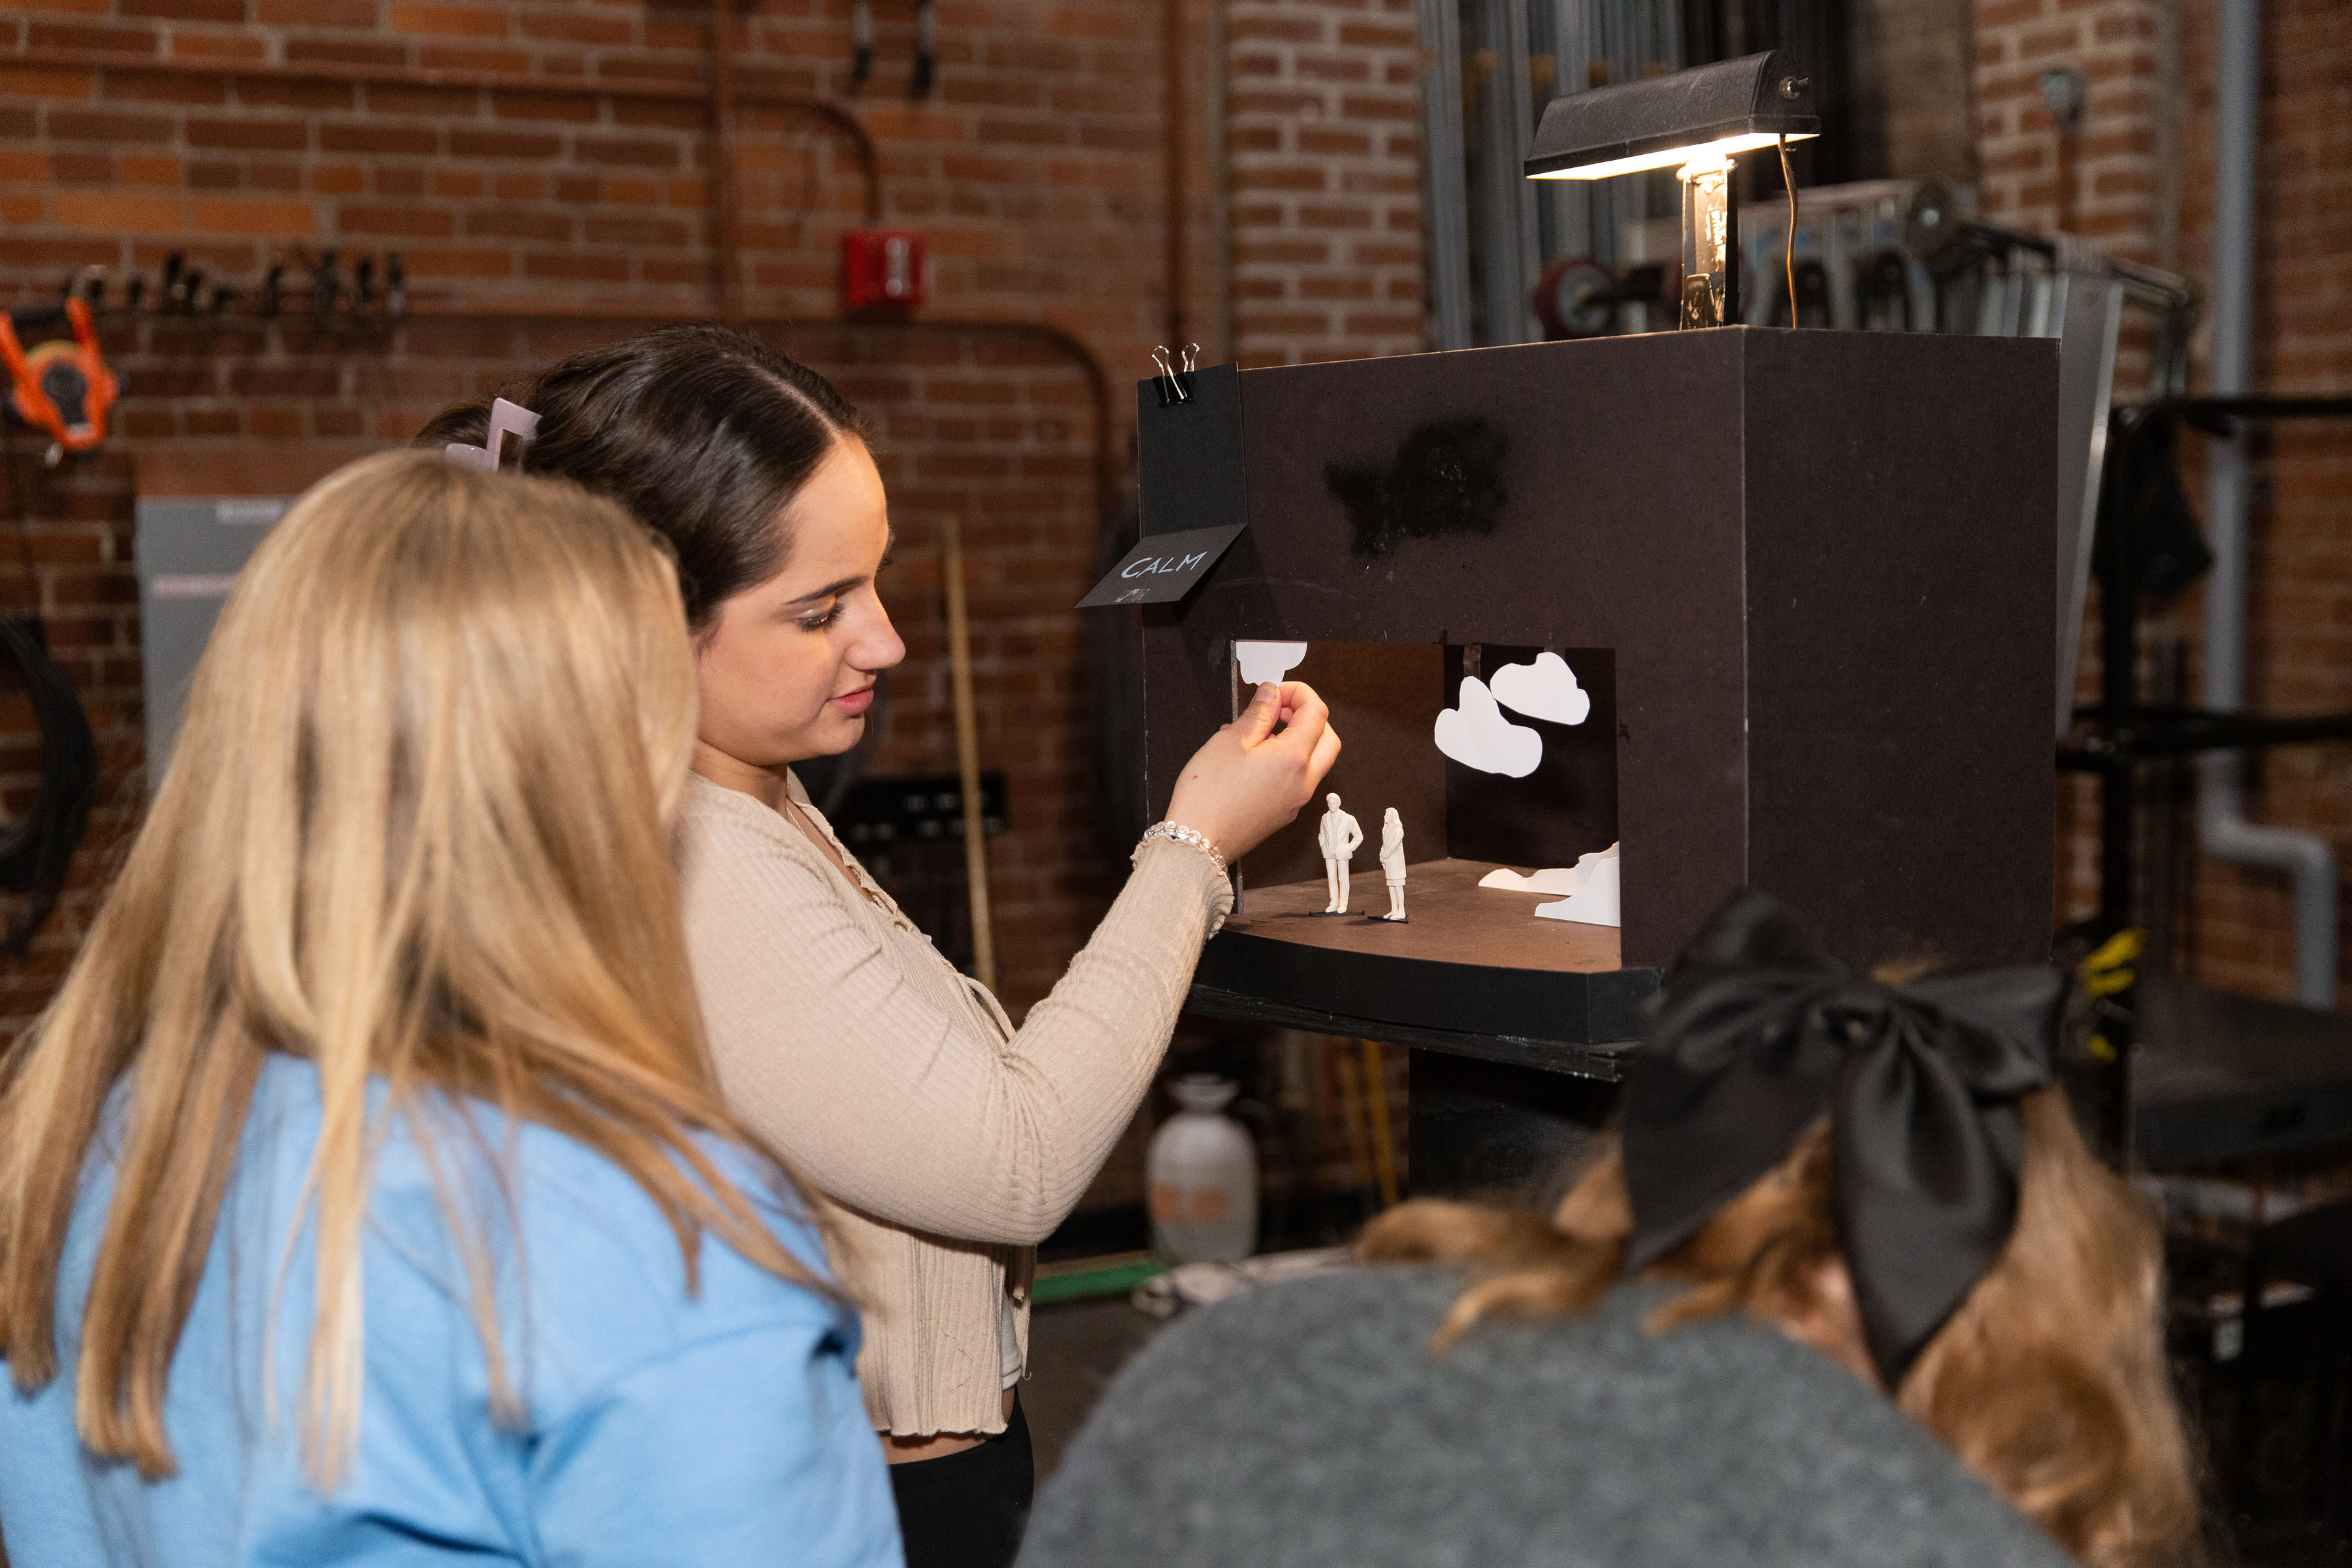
(703, 433)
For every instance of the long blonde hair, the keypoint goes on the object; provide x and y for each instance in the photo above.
(2049, 1382)
(414, 831)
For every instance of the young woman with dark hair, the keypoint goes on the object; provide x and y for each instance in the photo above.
(1847, 1292)
(953, 1140)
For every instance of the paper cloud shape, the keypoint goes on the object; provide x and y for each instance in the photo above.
(1476, 735)
(1594, 903)
(1557, 882)
(1265, 661)
(1544, 689)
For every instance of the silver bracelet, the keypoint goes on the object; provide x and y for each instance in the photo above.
(1181, 835)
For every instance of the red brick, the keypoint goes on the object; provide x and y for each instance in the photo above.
(414, 223)
(340, 51)
(394, 140)
(100, 125)
(78, 35)
(470, 21)
(113, 212)
(215, 215)
(232, 12)
(345, 13)
(247, 134)
(515, 145)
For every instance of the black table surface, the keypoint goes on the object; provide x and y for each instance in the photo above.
(2220, 1077)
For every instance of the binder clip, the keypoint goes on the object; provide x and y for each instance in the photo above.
(1175, 384)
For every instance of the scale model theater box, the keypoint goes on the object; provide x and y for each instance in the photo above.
(1801, 586)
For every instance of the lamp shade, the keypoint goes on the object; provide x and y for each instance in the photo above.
(1730, 107)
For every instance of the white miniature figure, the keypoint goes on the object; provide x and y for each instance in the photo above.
(1393, 861)
(1339, 839)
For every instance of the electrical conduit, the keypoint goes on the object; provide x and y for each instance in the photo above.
(2223, 828)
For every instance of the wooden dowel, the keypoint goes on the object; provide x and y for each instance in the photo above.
(1376, 1099)
(967, 727)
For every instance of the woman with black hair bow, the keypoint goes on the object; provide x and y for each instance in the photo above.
(1849, 1290)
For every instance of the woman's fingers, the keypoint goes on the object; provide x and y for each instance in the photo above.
(1327, 752)
(1257, 721)
(1300, 703)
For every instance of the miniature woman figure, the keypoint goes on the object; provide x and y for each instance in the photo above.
(1393, 861)
(952, 1141)
(1340, 839)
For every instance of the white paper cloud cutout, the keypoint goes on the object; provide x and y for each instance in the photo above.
(1265, 661)
(1476, 735)
(1557, 881)
(1544, 689)
(1596, 902)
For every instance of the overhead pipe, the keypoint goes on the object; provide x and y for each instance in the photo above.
(861, 143)
(2222, 827)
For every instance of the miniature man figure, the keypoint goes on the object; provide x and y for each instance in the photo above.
(1340, 839)
(1393, 861)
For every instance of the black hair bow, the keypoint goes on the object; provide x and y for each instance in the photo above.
(1758, 1031)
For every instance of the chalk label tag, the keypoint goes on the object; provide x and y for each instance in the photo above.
(1162, 568)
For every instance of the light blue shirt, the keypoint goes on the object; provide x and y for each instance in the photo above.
(721, 1426)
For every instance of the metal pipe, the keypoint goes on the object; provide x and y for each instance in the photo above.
(833, 114)
(2223, 828)
(1221, 171)
(1446, 178)
(723, 159)
(1173, 108)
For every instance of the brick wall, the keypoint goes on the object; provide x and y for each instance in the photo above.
(1036, 168)
(553, 187)
(2114, 43)
(1909, 76)
(2237, 930)
(1325, 131)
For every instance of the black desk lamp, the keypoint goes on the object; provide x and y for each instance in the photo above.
(1694, 121)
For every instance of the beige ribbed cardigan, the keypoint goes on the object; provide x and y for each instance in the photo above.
(899, 1088)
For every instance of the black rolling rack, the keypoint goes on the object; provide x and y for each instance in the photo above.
(2215, 1077)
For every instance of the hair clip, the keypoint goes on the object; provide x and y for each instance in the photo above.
(506, 418)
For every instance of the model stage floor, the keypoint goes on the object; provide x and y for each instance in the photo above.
(1454, 921)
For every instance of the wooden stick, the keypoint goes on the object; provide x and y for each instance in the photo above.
(1376, 1099)
(967, 726)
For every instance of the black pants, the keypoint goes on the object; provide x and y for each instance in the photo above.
(968, 1509)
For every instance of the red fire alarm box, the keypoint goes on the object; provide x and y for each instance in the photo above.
(882, 267)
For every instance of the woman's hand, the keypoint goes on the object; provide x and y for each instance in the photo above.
(1247, 781)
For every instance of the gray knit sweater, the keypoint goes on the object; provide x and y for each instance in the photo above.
(1309, 1423)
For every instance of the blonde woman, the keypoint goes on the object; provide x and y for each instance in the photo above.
(1850, 1292)
(953, 1140)
(365, 1195)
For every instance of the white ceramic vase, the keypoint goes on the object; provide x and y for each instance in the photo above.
(1202, 1174)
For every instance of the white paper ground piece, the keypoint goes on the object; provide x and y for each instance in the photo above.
(1476, 735)
(1544, 689)
(1265, 661)
(1558, 880)
(1595, 903)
